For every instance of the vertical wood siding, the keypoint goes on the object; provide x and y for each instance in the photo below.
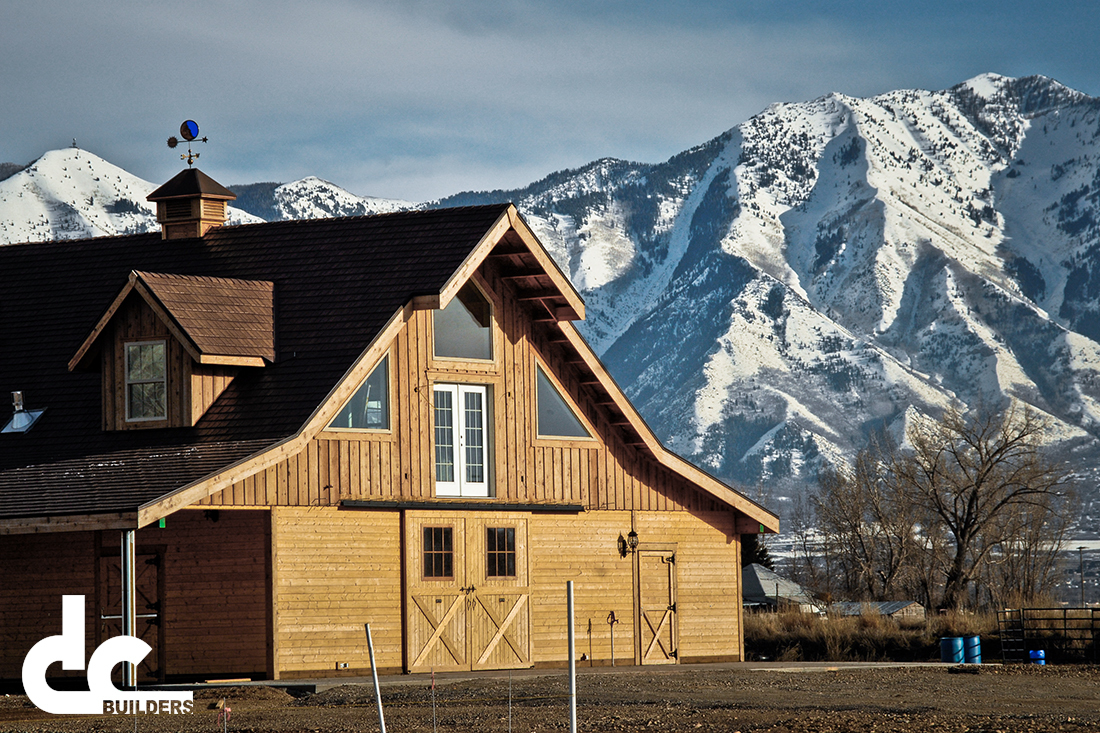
(602, 473)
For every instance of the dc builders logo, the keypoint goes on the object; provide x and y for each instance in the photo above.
(102, 696)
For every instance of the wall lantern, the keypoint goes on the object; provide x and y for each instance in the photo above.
(628, 544)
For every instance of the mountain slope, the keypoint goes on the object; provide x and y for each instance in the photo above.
(772, 296)
(71, 193)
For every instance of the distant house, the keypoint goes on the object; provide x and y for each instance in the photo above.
(764, 590)
(893, 609)
(244, 443)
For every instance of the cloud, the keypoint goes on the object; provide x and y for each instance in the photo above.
(420, 98)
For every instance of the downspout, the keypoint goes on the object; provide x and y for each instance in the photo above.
(129, 603)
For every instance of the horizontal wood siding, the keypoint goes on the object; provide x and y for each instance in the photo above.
(582, 549)
(214, 605)
(36, 570)
(708, 577)
(336, 571)
(215, 609)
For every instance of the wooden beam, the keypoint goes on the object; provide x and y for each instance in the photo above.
(704, 481)
(251, 361)
(69, 523)
(511, 249)
(539, 295)
(561, 282)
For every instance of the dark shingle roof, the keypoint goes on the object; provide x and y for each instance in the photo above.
(336, 284)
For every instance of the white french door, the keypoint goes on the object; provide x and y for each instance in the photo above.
(461, 440)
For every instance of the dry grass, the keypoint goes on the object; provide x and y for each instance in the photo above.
(871, 637)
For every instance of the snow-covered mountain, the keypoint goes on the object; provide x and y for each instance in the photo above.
(836, 266)
(821, 271)
(71, 193)
(309, 198)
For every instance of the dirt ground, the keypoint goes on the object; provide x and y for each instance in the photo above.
(688, 698)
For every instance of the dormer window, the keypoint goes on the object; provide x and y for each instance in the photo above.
(146, 381)
(170, 345)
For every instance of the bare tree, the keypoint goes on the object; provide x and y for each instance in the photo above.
(987, 481)
(869, 528)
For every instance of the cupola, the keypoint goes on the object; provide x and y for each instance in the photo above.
(190, 204)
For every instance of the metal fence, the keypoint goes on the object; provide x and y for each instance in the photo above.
(1065, 635)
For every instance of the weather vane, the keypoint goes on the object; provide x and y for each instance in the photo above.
(189, 131)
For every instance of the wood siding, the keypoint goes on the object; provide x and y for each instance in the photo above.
(36, 571)
(583, 549)
(334, 572)
(214, 601)
(602, 473)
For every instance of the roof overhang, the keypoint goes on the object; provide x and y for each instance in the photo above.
(525, 263)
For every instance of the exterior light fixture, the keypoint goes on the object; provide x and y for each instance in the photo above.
(627, 544)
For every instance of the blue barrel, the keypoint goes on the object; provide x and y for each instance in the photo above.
(972, 649)
(1038, 656)
(951, 649)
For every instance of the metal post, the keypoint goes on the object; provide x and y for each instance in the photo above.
(129, 603)
(374, 674)
(1081, 560)
(572, 661)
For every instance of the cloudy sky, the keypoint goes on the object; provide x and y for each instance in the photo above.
(417, 99)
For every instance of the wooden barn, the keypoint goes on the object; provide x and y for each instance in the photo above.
(245, 443)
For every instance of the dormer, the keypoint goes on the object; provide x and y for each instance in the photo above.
(169, 345)
(190, 204)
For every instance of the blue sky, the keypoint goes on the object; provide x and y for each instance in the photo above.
(422, 98)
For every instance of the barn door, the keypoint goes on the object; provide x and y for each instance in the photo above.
(147, 581)
(499, 610)
(468, 595)
(657, 606)
(437, 588)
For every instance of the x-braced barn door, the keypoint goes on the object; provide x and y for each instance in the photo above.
(657, 606)
(468, 604)
(148, 585)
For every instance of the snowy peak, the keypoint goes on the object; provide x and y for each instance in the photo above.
(313, 198)
(74, 194)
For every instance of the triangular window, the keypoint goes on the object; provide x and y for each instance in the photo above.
(463, 330)
(369, 408)
(555, 417)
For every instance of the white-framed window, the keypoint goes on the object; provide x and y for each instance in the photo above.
(146, 381)
(464, 329)
(462, 439)
(369, 407)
